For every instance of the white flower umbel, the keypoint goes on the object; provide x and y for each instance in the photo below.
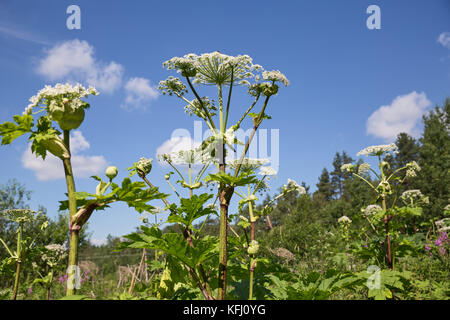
(63, 103)
(411, 169)
(363, 168)
(371, 210)
(214, 68)
(347, 167)
(413, 196)
(248, 163)
(378, 150)
(172, 86)
(293, 185)
(267, 171)
(275, 76)
(344, 219)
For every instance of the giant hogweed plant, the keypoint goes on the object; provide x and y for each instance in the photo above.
(249, 223)
(390, 210)
(63, 106)
(24, 245)
(226, 73)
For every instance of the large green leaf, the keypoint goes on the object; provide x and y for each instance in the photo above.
(11, 131)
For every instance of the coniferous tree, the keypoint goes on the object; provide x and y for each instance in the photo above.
(339, 178)
(324, 191)
(434, 178)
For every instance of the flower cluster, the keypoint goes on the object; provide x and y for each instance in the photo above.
(19, 215)
(182, 157)
(347, 167)
(371, 210)
(248, 163)
(363, 168)
(413, 196)
(53, 254)
(293, 185)
(275, 76)
(253, 247)
(197, 108)
(378, 150)
(344, 220)
(172, 86)
(443, 224)
(411, 169)
(63, 103)
(440, 244)
(214, 68)
(267, 171)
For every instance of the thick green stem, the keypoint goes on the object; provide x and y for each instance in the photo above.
(252, 238)
(73, 262)
(49, 285)
(223, 247)
(74, 229)
(19, 261)
(229, 97)
(221, 115)
(225, 195)
(388, 237)
(16, 281)
(252, 269)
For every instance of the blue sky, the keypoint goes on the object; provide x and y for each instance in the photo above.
(351, 87)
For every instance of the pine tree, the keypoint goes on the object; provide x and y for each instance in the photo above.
(324, 191)
(408, 150)
(339, 179)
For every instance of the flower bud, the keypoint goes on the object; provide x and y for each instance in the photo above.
(111, 172)
(55, 145)
(144, 166)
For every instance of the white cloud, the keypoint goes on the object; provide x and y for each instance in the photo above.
(175, 144)
(444, 39)
(74, 60)
(98, 242)
(402, 115)
(51, 168)
(139, 93)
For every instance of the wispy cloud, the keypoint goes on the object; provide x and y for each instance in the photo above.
(74, 60)
(402, 115)
(52, 169)
(139, 93)
(22, 35)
